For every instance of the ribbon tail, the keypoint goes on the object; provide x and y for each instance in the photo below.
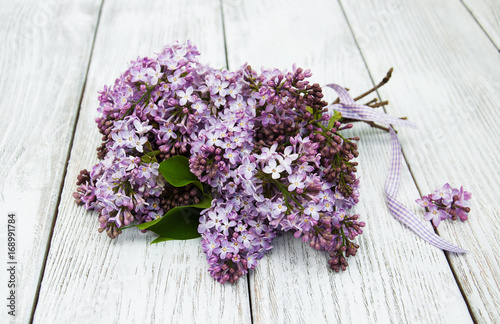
(405, 216)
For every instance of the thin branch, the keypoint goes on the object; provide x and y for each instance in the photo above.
(379, 104)
(384, 81)
(374, 100)
(372, 124)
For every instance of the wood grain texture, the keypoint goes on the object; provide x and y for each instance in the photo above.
(396, 277)
(43, 62)
(487, 14)
(92, 279)
(446, 79)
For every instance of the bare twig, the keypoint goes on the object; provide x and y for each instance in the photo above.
(379, 104)
(374, 100)
(372, 124)
(384, 81)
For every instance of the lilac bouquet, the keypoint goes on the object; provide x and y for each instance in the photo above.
(234, 157)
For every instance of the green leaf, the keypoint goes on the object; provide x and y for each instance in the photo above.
(146, 225)
(309, 109)
(176, 171)
(179, 223)
(336, 116)
(161, 239)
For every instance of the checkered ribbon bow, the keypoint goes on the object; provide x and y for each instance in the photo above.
(352, 110)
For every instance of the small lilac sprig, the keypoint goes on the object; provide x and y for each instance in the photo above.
(446, 203)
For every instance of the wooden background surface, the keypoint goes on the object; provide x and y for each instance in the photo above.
(57, 54)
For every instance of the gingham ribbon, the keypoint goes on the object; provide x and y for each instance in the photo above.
(352, 110)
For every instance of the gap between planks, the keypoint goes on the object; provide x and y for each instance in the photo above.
(63, 178)
(480, 26)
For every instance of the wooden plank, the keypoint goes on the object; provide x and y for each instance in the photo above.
(90, 278)
(44, 58)
(446, 79)
(487, 14)
(396, 277)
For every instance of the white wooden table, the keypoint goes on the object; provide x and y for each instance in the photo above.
(55, 55)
